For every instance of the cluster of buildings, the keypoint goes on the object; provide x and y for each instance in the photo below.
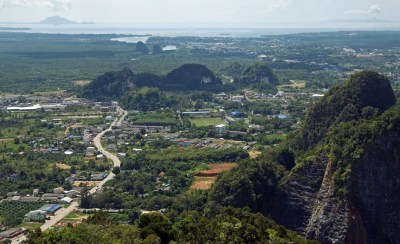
(40, 214)
(58, 195)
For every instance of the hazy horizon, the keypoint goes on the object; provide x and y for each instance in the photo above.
(220, 13)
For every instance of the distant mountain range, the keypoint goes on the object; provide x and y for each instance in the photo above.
(369, 20)
(57, 20)
(53, 20)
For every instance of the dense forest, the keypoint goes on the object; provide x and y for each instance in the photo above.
(228, 226)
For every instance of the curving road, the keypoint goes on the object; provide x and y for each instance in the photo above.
(97, 144)
(62, 213)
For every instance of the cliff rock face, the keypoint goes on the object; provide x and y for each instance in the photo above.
(375, 190)
(369, 213)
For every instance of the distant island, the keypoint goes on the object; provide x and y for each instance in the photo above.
(57, 20)
(13, 28)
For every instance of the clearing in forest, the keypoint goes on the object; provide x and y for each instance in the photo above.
(206, 178)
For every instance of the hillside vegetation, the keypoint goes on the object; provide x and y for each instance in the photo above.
(349, 165)
(365, 94)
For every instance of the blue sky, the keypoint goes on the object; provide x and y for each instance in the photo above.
(243, 12)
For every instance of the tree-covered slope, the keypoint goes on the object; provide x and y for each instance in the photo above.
(343, 189)
(357, 98)
(114, 85)
(146, 99)
(110, 85)
(258, 73)
(227, 226)
(191, 77)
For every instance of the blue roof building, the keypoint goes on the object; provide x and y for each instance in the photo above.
(283, 116)
(238, 114)
(50, 208)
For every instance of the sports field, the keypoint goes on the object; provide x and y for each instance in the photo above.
(201, 122)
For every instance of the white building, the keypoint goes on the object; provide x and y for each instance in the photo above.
(220, 129)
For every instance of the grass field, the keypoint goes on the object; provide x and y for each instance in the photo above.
(300, 84)
(75, 216)
(200, 122)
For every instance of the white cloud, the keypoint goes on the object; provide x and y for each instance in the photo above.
(277, 5)
(373, 9)
(56, 5)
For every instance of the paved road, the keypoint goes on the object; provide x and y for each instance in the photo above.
(60, 214)
(97, 144)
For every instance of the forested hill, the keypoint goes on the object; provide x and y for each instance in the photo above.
(343, 189)
(258, 73)
(191, 76)
(113, 85)
(367, 93)
(110, 85)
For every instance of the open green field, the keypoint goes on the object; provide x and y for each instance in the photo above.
(161, 119)
(31, 225)
(299, 84)
(75, 216)
(201, 122)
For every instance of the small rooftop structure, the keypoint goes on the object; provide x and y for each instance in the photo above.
(11, 233)
(317, 96)
(50, 208)
(283, 116)
(203, 113)
(27, 108)
(238, 114)
(220, 129)
(67, 200)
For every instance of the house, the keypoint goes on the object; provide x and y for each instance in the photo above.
(112, 147)
(58, 190)
(256, 127)
(73, 194)
(24, 109)
(29, 199)
(51, 197)
(201, 114)
(14, 198)
(98, 176)
(12, 193)
(283, 116)
(79, 190)
(68, 152)
(220, 129)
(237, 98)
(121, 155)
(317, 96)
(237, 133)
(66, 200)
(91, 149)
(104, 109)
(11, 233)
(229, 120)
(238, 114)
(50, 208)
(221, 96)
(35, 216)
